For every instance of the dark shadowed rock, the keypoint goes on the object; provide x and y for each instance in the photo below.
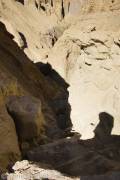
(104, 128)
(26, 93)
(28, 117)
(80, 157)
(9, 148)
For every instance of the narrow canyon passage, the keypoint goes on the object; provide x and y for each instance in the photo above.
(59, 89)
(72, 155)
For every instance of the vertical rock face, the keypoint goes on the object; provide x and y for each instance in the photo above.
(28, 114)
(74, 41)
(87, 56)
(80, 40)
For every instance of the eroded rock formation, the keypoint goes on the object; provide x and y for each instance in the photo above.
(73, 44)
(25, 96)
(80, 40)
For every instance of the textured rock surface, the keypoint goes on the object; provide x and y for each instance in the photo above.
(87, 56)
(80, 40)
(9, 148)
(74, 157)
(27, 115)
(77, 157)
(25, 92)
(27, 170)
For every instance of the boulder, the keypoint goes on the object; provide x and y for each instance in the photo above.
(9, 148)
(27, 115)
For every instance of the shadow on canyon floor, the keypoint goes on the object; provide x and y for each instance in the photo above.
(76, 157)
(72, 155)
(105, 125)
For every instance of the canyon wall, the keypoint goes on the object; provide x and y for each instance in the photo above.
(52, 51)
(87, 56)
(80, 40)
(28, 112)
